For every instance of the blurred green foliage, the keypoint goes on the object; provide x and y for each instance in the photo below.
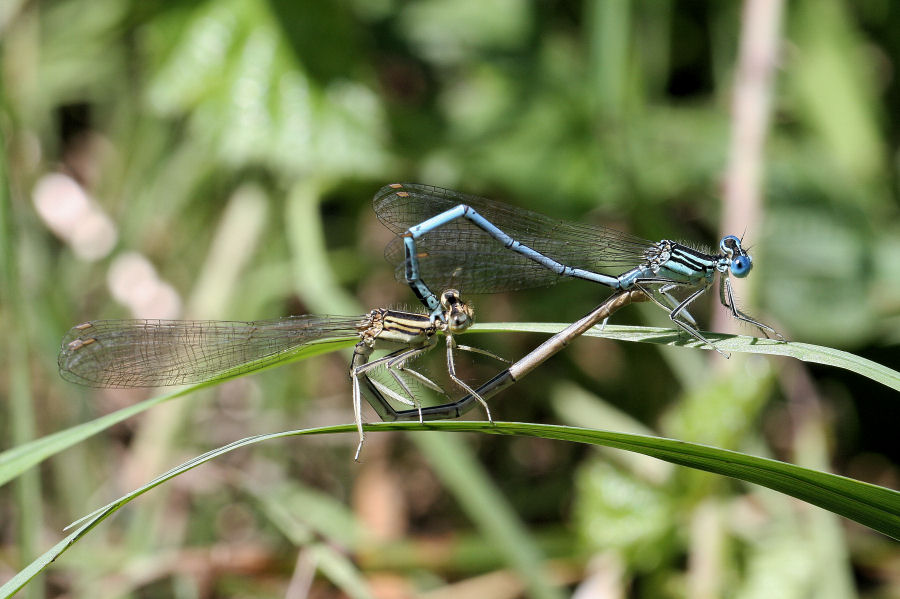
(236, 145)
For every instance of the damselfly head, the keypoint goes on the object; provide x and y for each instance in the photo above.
(458, 315)
(740, 260)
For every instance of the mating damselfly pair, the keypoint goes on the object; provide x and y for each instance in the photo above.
(458, 243)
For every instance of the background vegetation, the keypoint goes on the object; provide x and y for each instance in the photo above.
(217, 160)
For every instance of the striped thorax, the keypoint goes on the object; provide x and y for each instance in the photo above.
(382, 328)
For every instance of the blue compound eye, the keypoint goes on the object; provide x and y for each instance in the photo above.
(740, 266)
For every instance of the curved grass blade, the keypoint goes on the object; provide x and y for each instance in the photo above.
(806, 352)
(871, 505)
(16, 460)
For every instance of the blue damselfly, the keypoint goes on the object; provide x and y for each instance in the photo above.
(481, 246)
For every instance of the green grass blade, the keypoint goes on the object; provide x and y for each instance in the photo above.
(729, 343)
(871, 505)
(319, 523)
(463, 475)
(20, 410)
(18, 459)
(340, 570)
